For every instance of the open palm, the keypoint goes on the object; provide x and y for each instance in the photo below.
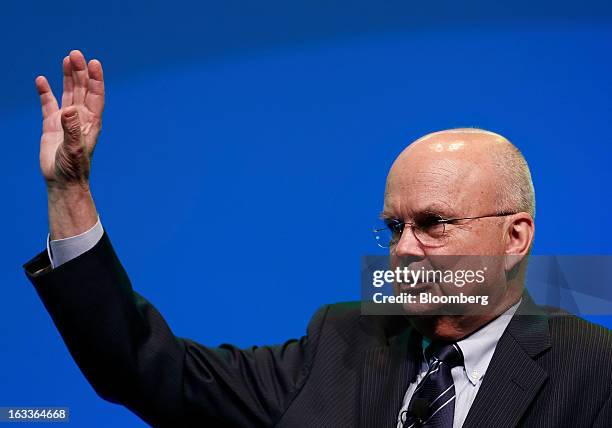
(70, 133)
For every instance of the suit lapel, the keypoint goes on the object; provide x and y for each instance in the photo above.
(387, 371)
(513, 378)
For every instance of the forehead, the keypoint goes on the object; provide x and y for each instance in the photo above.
(446, 175)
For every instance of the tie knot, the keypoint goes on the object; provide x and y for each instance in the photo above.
(449, 352)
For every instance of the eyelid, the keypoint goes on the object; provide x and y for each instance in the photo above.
(433, 217)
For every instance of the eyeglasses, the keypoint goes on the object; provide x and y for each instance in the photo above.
(429, 230)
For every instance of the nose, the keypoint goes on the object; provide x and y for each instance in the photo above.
(408, 245)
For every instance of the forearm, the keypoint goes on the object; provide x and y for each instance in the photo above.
(131, 356)
(120, 342)
(72, 211)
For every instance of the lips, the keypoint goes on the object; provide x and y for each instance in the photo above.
(418, 287)
(414, 282)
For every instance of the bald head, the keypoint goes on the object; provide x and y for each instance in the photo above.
(493, 169)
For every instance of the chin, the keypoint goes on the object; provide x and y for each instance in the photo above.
(418, 308)
(423, 309)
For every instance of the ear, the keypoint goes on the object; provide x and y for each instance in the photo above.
(520, 229)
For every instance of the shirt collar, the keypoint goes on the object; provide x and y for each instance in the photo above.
(478, 347)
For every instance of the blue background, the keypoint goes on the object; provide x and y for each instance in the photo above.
(245, 148)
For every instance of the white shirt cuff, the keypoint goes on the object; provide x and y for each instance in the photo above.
(61, 251)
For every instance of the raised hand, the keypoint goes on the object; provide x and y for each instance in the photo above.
(70, 133)
(68, 140)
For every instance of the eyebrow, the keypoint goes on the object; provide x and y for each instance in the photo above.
(385, 215)
(436, 208)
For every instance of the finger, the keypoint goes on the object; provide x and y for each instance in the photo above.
(94, 99)
(80, 77)
(71, 159)
(72, 127)
(68, 83)
(47, 99)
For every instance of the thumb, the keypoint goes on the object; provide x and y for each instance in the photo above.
(72, 126)
(71, 161)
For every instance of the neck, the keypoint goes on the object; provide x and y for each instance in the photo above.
(456, 327)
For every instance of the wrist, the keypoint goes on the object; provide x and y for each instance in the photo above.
(68, 191)
(71, 211)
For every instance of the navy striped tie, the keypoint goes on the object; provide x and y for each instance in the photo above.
(433, 402)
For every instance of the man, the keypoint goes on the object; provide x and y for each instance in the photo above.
(454, 192)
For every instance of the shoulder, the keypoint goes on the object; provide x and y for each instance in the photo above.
(570, 332)
(343, 311)
(343, 315)
(345, 323)
(346, 315)
(580, 349)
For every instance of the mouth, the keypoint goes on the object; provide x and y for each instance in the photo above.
(415, 288)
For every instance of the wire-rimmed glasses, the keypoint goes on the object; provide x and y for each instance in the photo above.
(430, 231)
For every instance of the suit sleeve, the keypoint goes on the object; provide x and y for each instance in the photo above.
(130, 356)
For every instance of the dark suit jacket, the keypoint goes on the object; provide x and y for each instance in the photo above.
(347, 371)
